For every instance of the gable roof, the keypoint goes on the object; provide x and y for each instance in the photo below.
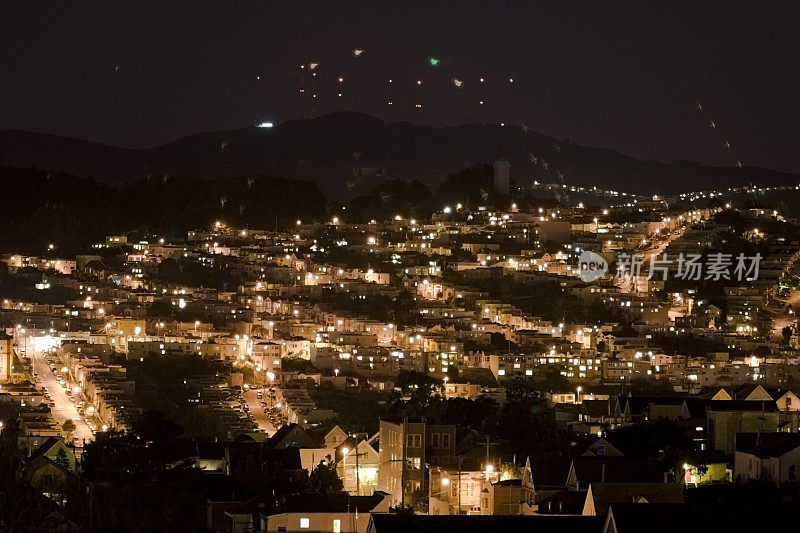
(751, 392)
(586, 444)
(562, 502)
(714, 393)
(596, 407)
(766, 445)
(285, 432)
(337, 430)
(743, 405)
(269, 504)
(46, 446)
(690, 518)
(329, 503)
(601, 495)
(609, 469)
(398, 523)
(549, 471)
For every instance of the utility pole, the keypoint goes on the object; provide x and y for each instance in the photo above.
(460, 457)
(302, 91)
(403, 465)
(358, 482)
(389, 102)
(358, 485)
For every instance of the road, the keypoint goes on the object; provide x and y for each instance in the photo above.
(63, 408)
(257, 412)
(781, 315)
(647, 255)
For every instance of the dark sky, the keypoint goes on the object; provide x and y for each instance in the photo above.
(624, 75)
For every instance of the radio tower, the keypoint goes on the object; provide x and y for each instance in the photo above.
(418, 102)
(389, 102)
(510, 100)
(258, 99)
(481, 99)
(302, 94)
(313, 95)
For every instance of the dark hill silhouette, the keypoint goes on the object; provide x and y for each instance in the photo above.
(349, 153)
(73, 212)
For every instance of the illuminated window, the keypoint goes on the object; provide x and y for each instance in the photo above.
(304, 523)
(337, 526)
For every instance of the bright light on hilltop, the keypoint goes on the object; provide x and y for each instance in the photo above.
(266, 125)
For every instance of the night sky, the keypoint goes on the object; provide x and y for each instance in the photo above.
(624, 75)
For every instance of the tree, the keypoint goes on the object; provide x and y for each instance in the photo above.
(412, 381)
(325, 480)
(555, 382)
(787, 334)
(665, 440)
(763, 351)
(155, 426)
(298, 364)
(526, 419)
(68, 427)
(62, 460)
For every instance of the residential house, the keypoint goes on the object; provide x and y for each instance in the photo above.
(291, 435)
(587, 470)
(312, 512)
(501, 497)
(358, 464)
(401, 523)
(773, 457)
(692, 518)
(335, 437)
(405, 451)
(601, 495)
(726, 418)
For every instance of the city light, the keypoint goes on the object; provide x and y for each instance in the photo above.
(213, 279)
